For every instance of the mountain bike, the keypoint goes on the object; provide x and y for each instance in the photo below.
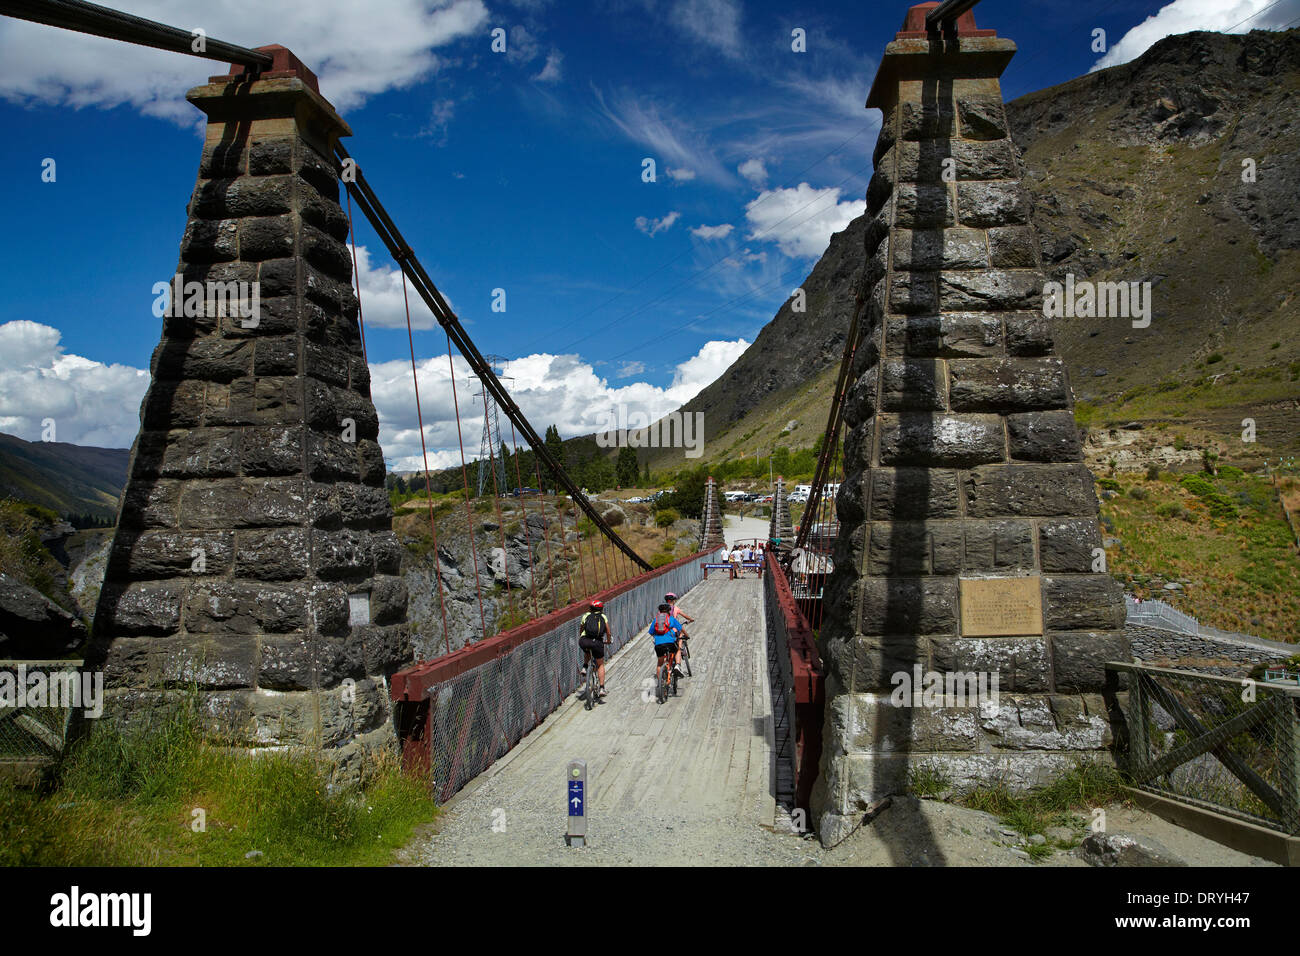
(591, 689)
(666, 678)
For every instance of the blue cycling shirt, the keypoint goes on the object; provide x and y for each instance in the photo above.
(671, 635)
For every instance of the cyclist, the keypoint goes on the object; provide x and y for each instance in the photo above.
(676, 611)
(593, 635)
(680, 615)
(665, 631)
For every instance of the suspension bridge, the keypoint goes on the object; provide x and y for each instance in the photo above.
(959, 539)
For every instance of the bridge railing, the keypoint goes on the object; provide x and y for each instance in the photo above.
(798, 689)
(458, 714)
(1229, 745)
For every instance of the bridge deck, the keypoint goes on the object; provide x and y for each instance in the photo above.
(701, 763)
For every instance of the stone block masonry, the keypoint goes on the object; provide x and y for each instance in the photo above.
(962, 462)
(254, 560)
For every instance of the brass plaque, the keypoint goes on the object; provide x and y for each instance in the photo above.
(1001, 607)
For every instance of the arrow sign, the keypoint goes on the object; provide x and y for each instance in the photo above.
(575, 798)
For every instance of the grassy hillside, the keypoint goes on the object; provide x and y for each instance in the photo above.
(1223, 539)
(68, 479)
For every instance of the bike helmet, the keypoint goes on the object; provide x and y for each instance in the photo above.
(670, 596)
(597, 605)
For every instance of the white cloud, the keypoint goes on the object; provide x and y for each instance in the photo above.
(97, 404)
(713, 23)
(357, 50)
(522, 47)
(679, 175)
(713, 232)
(91, 403)
(1185, 16)
(670, 139)
(653, 226)
(440, 114)
(754, 171)
(382, 303)
(562, 390)
(552, 72)
(800, 220)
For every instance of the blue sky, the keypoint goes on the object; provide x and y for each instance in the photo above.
(519, 170)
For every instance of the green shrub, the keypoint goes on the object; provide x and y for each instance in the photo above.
(1153, 472)
(1212, 359)
(1231, 471)
(1138, 492)
(1110, 484)
(613, 517)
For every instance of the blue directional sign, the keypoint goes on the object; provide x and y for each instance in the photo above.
(576, 798)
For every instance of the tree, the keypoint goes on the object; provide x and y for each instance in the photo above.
(646, 476)
(665, 518)
(626, 467)
(555, 446)
(688, 499)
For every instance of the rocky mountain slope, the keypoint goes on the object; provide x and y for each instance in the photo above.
(1136, 176)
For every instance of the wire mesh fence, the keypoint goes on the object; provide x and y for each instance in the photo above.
(1159, 614)
(39, 701)
(1230, 745)
(475, 717)
(795, 674)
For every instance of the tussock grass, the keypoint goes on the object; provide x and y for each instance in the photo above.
(1087, 785)
(129, 799)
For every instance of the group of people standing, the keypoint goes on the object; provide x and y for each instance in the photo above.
(739, 556)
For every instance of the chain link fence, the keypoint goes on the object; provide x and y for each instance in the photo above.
(1230, 745)
(476, 716)
(39, 704)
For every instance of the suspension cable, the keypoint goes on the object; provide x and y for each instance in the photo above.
(464, 473)
(388, 233)
(95, 20)
(428, 484)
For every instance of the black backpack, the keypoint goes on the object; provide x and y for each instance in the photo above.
(592, 624)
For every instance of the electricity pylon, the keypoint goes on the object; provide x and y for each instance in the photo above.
(489, 451)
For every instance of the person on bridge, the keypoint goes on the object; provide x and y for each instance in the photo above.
(749, 554)
(593, 635)
(677, 613)
(666, 631)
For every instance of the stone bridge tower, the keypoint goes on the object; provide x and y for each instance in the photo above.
(968, 520)
(254, 557)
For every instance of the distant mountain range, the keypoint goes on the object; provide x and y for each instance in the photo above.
(69, 479)
(1136, 175)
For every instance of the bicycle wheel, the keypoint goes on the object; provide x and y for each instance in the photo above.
(686, 658)
(672, 677)
(589, 680)
(661, 683)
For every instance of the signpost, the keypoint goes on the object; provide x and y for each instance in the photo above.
(576, 799)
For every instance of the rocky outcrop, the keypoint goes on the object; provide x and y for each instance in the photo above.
(32, 626)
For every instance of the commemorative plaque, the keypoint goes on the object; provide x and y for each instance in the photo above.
(1001, 607)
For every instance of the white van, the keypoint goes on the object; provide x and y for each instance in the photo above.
(735, 495)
